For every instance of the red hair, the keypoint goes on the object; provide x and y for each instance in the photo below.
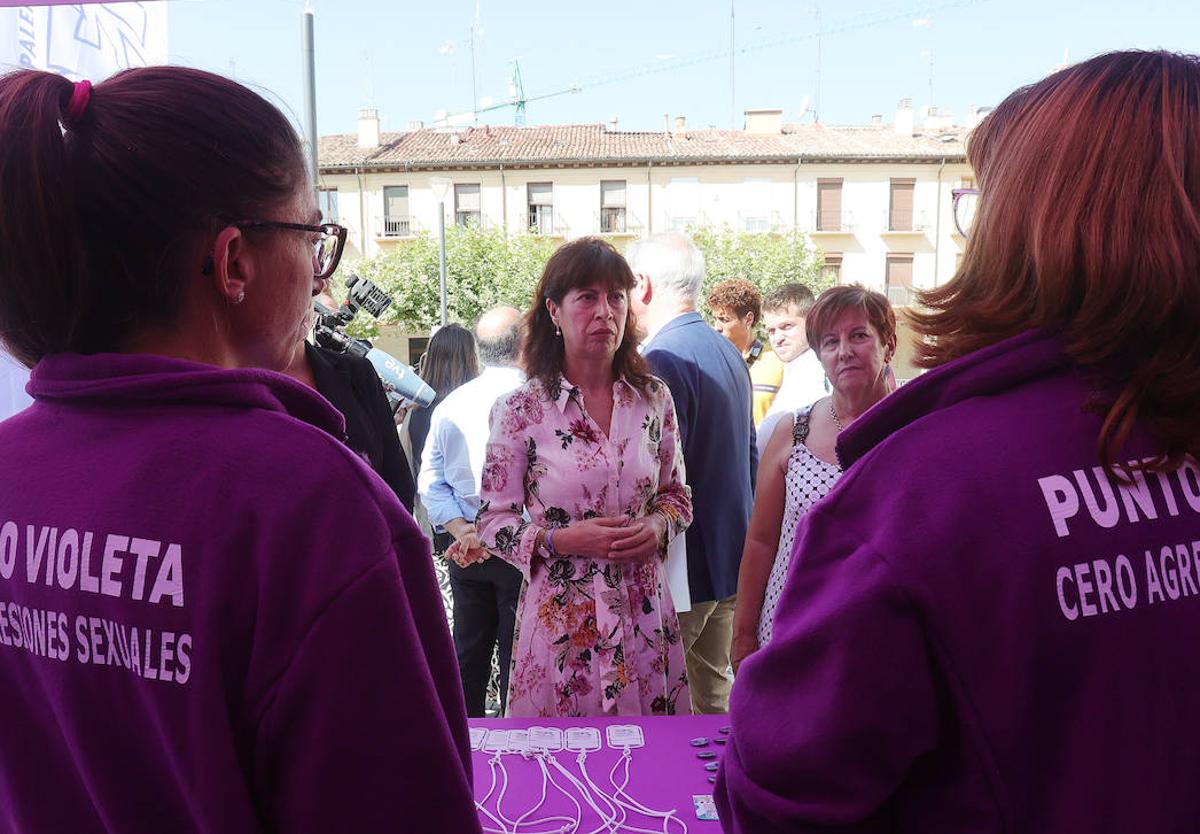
(1088, 225)
(836, 300)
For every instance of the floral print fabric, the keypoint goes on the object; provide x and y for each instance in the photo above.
(593, 637)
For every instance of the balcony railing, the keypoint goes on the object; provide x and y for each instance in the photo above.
(900, 296)
(549, 226)
(903, 222)
(826, 222)
(614, 222)
(681, 222)
(392, 227)
(760, 222)
(473, 219)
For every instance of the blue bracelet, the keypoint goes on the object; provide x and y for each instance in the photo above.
(550, 542)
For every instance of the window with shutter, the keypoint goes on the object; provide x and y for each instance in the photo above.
(756, 217)
(829, 205)
(833, 266)
(900, 216)
(395, 211)
(612, 206)
(541, 207)
(899, 279)
(683, 199)
(467, 204)
(327, 200)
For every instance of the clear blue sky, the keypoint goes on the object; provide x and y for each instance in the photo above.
(640, 60)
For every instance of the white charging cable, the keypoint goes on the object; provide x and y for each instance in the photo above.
(481, 804)
(617, 810)
(633, 805)
(569, 824)
(608, 820)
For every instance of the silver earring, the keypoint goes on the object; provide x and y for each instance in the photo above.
(240, 297)
(557, 332)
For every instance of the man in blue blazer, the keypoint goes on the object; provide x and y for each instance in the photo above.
(711, 388)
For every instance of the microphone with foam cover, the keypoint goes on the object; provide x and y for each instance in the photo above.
(399, 380)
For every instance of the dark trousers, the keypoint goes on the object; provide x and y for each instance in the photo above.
(485, 611)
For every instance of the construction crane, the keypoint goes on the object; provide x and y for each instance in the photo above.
(862, 20)
(516, 99)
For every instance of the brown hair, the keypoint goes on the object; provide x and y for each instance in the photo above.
(104, 213)
(577, 264)
(790, 296)
(450, 359)
(739, 296)
(837, 300)
(1088, 225)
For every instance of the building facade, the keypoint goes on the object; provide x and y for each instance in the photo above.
(876, 199)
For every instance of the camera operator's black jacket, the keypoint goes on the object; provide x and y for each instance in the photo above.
(351, 384)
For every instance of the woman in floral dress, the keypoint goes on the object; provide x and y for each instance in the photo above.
(583, 488)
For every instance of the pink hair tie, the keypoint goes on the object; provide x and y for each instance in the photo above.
(80, 97)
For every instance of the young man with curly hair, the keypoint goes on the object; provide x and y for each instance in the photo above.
(736, 308)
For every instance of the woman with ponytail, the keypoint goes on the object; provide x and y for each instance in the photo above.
(213, 616)
(990, 622)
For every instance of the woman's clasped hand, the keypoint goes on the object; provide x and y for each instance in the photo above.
(617, 538)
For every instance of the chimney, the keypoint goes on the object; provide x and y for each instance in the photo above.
(975, 115)
(666, 122)
(416, 125)
(680, 125)
(877, 119)
(937, 118)
(766, 121)
(368, 128)
(612, 124)
(904, 117)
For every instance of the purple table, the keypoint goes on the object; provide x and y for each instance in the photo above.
(664, 774)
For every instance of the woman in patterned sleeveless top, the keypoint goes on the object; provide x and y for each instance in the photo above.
(853, 331)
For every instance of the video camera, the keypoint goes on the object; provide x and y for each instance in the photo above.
(400, 382)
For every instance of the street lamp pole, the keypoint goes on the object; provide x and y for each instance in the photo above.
(442, 257)
(310, 95)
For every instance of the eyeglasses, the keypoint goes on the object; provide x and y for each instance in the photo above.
(328, 241)
(964, 203)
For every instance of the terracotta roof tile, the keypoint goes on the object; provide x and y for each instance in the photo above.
(583, 144)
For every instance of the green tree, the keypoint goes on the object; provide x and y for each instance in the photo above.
(488, 267)
(765, 260)
(484, 268)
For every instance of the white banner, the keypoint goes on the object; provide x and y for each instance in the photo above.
(89, 41)
(12, 386)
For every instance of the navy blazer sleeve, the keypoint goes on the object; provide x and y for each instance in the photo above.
(753, 448)
(672, 370)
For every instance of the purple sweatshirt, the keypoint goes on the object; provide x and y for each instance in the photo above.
(979, 632)
(213, 616)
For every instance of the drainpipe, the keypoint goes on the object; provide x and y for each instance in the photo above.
(796, 197)
(503, 200)
(649, 199)
(937, 226)
(362, 213)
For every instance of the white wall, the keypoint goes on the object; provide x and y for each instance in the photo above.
(782, 196)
